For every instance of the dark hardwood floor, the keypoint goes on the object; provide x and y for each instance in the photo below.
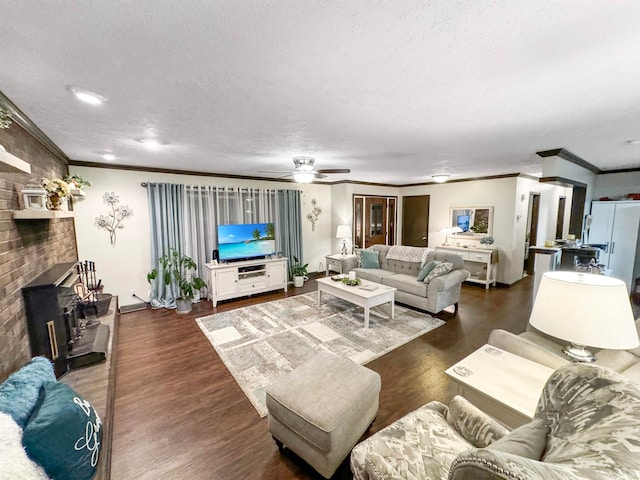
(179, 414)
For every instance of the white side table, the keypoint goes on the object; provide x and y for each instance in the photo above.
(334, 262)
(501, 384)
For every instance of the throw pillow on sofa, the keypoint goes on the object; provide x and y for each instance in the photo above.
(370, 258)
(426, 270)
(64, 434)
(438, 270)
(20, 392)
(527, 441)
(14, 463)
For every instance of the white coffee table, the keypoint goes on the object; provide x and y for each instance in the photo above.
(359, 295)
(501, 384)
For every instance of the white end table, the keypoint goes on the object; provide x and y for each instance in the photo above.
(501, 384)
(334, 262)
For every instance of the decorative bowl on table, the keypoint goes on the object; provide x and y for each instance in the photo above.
(351, 282)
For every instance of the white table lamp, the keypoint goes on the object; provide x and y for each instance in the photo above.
(344, 232)
(448, 231)
(586, 310)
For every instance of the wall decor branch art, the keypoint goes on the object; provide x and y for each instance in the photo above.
(112, 221)
(315, 213)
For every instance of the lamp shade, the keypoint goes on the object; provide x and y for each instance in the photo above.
(585, 309)
(343, 231)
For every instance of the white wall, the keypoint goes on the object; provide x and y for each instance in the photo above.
(616, 185)
(558, 167)
(497, 193)
(548, 214)
(123, 267)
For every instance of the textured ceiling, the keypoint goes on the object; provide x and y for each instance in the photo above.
(394, 90)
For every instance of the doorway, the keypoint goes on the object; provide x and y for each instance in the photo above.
(532, 231)
(415, 220)
(562, 201)
(374, 220)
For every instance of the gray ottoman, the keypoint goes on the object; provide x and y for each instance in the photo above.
(322, 408)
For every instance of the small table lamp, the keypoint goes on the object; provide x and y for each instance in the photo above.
(344, 232)
(448, 231)
(585, 309)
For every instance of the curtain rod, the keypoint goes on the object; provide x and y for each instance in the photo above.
(145, 184)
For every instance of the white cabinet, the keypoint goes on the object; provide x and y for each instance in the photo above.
(238, 279)
(277, 275)
(477, 260)
(616, 225)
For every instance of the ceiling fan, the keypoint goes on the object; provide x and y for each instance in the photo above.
(304, 171)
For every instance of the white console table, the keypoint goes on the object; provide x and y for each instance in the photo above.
(238, 279)
(477, 259)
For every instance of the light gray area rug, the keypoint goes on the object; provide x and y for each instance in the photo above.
(261, 343)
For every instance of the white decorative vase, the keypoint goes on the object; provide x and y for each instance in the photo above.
(298, 281)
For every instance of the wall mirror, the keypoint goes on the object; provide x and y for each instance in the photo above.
(473, 220)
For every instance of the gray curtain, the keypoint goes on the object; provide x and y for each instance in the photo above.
(289, 224)
(166, 218)
(186, 218)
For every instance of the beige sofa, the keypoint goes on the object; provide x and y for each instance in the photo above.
(546, 350)
(439, 293)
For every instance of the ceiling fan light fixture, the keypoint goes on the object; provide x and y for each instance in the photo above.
(440, 178)
(86, 96)
(303, 177)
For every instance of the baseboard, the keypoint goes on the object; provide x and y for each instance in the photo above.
(134, 307)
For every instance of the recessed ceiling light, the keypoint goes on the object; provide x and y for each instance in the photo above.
(634, 142)
(108, 156)
(86, 96)
(151, 143)
(440, 178)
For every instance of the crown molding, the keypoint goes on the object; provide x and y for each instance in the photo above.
(22, 120)
(569, 157)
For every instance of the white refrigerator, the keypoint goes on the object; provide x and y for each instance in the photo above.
(617, 225)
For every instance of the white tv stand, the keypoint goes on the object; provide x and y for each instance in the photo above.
(239, 279)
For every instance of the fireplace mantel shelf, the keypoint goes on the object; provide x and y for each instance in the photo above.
(37, 214)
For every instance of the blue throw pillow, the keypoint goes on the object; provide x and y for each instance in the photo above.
(427, 269)
(19, 393)
(64, 434)
(370, 259)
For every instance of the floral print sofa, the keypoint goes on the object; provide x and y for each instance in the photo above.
(586, 426)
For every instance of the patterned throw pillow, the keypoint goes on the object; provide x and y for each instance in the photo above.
(426, 270)
(64, 434)
(438, 270)
(370, 259)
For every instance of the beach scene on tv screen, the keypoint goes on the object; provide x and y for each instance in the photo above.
(246, 240)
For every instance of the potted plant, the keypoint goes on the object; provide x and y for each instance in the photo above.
(181, 269)
(57, 190)
(75, 181)
(298, 272)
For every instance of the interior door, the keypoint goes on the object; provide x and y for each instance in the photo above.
(375, 221)
(415, 220)
(532, 233)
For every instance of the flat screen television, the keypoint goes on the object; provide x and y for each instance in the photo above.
(463, 222)
(245, 241)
